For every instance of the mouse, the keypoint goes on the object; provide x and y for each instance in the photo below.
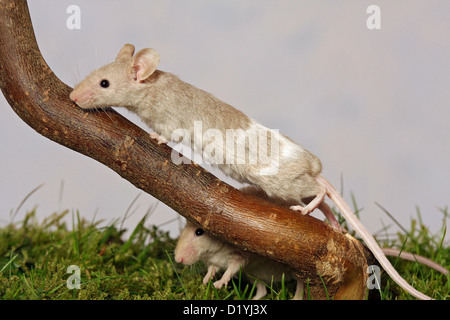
(195, 245)
(176, 110)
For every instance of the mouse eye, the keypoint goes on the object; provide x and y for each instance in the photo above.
(104, 83)
(199, 232)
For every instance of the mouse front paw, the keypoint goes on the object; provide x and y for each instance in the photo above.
(161, 139)
(220, 283)
(210, 274)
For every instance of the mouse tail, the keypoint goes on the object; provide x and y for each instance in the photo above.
(415, 258)
(369, 240)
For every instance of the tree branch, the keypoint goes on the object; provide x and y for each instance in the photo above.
(313, 250)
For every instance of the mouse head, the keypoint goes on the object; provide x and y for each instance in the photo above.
(118, 82)
(194, 244)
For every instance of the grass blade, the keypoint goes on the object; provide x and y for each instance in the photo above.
(8, 263)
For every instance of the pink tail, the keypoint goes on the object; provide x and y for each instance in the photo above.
(371, 243)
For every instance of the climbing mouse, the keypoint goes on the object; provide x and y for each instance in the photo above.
(173, 108)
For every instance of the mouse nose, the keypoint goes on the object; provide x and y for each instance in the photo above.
(72, 97)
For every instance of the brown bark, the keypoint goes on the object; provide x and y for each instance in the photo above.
(316, 252)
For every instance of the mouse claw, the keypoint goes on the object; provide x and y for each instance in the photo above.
(220, 283)
(160, 139)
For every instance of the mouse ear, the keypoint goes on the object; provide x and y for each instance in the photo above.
(144, 63)
(126, 52)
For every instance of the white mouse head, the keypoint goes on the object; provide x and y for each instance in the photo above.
(116, 83)
(194, 244)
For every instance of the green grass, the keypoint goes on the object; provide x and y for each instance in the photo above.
(419, 240)
(35, 256)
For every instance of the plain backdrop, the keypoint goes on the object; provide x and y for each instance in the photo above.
(372, 104)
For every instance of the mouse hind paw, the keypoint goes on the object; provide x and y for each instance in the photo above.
(300, 209)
